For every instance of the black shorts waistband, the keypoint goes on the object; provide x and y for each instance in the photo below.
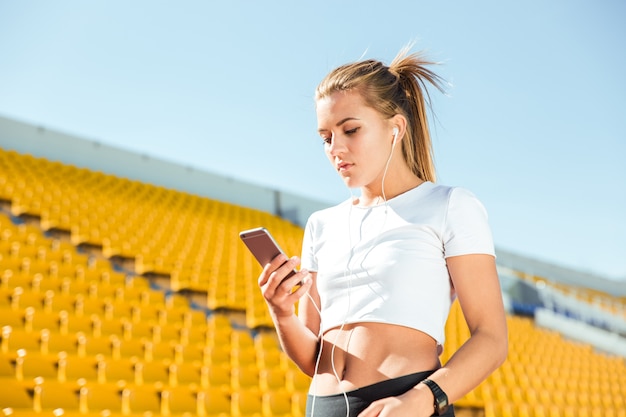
(386, 388)
(334, 405)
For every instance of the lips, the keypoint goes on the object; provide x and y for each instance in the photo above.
(343, 166)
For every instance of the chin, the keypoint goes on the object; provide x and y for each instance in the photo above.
(350, 183)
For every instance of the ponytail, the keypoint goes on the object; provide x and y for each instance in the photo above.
(400, 88)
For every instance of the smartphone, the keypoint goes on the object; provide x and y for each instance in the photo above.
(262, 245)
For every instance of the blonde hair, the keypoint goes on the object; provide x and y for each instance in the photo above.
(399, 88)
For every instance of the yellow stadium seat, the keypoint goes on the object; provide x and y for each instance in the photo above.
(72, 323)
(113, 371)
(55, 342)
(144, 312)
(5, 297)
(166, 332)
(216, 403)
(185, 373)
(271, 358)
(245, 378)
(158, 351)
(245, 356)
(219, 376)
(180, 400)
(127, 348)
(11, 317)
(52, 395)
(141, 399)
(247, 403)
(151, 372)
(58, 301)
(22, 298)
(218, 354)
(42, 284)
(6, 368)
(30, 365)
(193, 334)
(241, 339)
(297, 381)
(92, 346)
(272, 379)
(103, 399)
(72, 368)
(107, 326)
(14, 395)
(12, 276)
(137, 330)
(299, 404)
(88, 305)
(188, 353)
(278, 403)
(38, 319)
(219, 338)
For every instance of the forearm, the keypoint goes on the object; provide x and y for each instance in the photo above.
(482, 354)
(477, 285)
(298, 342)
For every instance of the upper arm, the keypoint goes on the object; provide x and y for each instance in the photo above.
(309, 307)
(475, 280)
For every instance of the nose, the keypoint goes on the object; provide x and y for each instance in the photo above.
(336, 147)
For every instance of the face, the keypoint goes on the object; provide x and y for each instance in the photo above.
(357, 139)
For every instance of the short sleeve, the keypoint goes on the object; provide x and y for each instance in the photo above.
(466, 229)
(308, 259)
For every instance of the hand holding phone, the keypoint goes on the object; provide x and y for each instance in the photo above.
(262, 245)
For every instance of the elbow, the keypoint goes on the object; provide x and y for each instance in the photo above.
(501, 349)
(502, 352)
(497, 344)
(305, 370)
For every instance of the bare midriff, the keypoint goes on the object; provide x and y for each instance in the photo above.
(367, 353)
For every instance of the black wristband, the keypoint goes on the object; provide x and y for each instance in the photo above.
(441, 399)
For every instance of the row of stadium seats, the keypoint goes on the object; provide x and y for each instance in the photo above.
(25, 366)
(76, 326)
(191, 240)
(59, 398)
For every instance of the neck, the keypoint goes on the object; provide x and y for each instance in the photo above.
(393, 188)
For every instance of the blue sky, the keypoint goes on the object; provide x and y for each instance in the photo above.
(533, 122)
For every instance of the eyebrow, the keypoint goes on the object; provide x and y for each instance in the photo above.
(342, 121)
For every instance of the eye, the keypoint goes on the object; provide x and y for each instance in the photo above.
(326, 140)
(351, 131)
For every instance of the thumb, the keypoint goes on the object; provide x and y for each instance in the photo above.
(373, 410)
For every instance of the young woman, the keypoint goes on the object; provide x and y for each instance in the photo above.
(379, 272)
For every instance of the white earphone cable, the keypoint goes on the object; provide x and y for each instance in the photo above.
(348, 275)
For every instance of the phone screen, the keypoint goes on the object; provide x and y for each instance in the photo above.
(262, 245)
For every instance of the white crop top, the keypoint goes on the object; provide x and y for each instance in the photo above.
(386, 263)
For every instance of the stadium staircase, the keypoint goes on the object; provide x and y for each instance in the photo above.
(120, 298)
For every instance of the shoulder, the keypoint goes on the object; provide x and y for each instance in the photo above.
(450, 191)
(326, 215)
(441, 196)
(453, 196)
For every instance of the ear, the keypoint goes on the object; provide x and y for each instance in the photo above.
(398, 122)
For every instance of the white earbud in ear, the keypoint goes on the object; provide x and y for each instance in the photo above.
(395, 134)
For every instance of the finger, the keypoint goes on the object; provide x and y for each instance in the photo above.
(305, 284)
(290, 283)
(269, 268)
(285, 271)
(276, 283)
(289, 266)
